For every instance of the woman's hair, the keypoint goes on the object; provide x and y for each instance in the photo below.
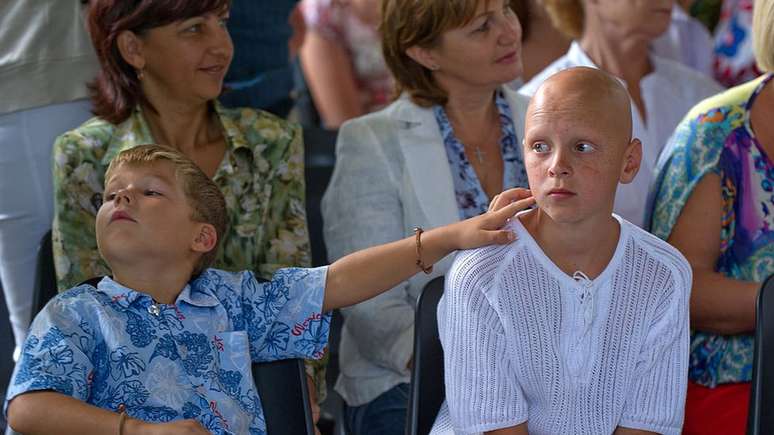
(763, 34)
(204, 197)
(408, 23)
(567, 16)
(116, 91)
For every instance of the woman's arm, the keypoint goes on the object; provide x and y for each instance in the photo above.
(47, 412)
(719, 304)
(364, 274)
(328, 72)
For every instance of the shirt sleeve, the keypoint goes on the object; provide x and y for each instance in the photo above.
(56, 355)
(324, 17)
(284, 316)
(482, 391)
(656, 399)
(78, 187)
(362, 208)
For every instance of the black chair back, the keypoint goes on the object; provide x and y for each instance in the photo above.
(45, 275)
(760, 417)
(284, 397)
(427, 385)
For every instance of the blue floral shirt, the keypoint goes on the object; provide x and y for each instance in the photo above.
(111, 345)
(471, 198)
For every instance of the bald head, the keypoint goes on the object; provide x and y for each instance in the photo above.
(592, 93)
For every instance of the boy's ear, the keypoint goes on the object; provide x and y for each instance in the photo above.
(423, 57)
(205, 239)
(130, 48)
(631, 161)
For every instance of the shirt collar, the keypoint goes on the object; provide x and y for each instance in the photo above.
(578, 57)
(136, 131)
(193, 293)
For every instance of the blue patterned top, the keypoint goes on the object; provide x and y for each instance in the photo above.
(716, 138)
(471, 198)
(111, 345)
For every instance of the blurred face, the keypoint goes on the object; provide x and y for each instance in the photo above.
(187, 60)
(145, 214)
(574, 153)
(485, 52)
(646, 19)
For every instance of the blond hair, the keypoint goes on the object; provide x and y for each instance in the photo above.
(567, 16)
(204, 197)
(763, 34)
(408, 23)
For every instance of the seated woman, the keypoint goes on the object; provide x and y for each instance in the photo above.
(162, 68)
(714, 202)
(438, 154)
(342, 59)
(616, 37)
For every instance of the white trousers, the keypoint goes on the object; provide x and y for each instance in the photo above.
(26, 198)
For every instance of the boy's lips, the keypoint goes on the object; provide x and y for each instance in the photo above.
(561, 193)
(121, 215)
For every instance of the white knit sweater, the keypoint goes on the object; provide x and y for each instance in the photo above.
(523, 341)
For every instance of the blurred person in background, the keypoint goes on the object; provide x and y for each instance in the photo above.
(342, 60)
(267, 35)
(46, 59)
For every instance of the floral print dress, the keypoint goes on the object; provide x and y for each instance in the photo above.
(716, 137)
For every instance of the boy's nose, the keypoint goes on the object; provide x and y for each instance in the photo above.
(559, 167)
(123, 195)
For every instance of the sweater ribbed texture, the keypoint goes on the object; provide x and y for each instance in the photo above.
(523, 341)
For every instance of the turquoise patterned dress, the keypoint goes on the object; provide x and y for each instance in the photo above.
(716, 137)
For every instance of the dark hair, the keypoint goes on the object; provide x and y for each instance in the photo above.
(116, 91)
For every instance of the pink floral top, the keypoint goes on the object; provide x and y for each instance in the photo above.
(335, 20)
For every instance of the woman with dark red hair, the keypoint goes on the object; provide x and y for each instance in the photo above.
(162, 68)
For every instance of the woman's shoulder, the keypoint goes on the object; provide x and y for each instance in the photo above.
(92, 133)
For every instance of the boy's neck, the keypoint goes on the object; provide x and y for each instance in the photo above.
(163, 286)
(586, 246)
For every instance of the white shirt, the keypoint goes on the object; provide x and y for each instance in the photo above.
(668, 93)
(686, 41)
(523, 341)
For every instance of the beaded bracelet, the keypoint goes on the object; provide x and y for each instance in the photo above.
(420, 264)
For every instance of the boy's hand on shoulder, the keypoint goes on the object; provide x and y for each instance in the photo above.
(486, 229)
(180, 427)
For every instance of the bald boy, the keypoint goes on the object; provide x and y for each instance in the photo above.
(581, 325)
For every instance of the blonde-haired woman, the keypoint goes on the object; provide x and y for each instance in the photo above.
(616, 36)
(714, 201)
(437, 154)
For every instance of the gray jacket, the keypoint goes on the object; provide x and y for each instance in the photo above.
(46, 56)
(392, 174)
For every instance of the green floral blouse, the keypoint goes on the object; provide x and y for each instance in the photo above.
(261, 177)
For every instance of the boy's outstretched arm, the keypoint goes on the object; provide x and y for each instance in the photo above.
(47, 412)
(364, 274)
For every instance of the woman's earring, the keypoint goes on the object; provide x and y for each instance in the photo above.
(434, 67)
(140, 74)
